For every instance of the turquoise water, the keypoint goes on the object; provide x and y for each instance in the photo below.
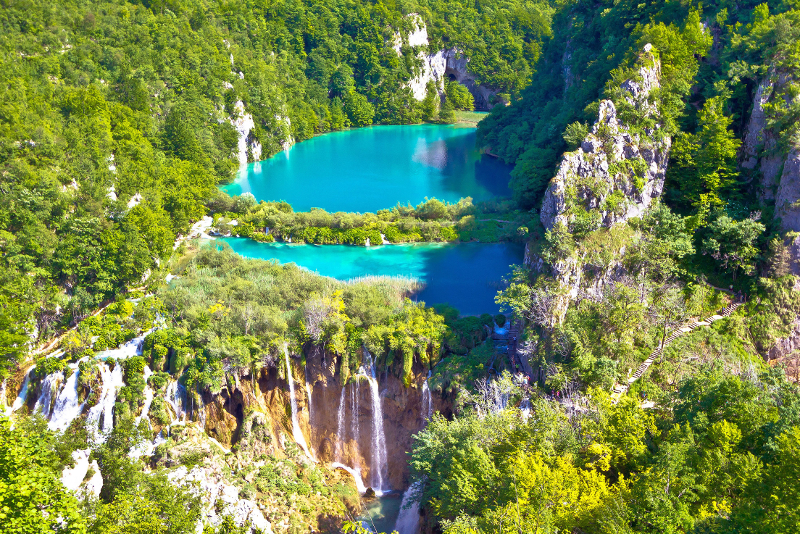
(373, 168)
(465, 275)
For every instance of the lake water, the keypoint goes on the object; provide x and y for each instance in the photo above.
(465, 275)
(368, 169)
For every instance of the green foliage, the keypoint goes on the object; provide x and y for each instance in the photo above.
(32, 499)
(459, 96)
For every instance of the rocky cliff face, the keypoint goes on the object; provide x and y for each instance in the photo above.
(775, 169)
(264, 402)
(615, 173)
(613, 176)
(441, 66)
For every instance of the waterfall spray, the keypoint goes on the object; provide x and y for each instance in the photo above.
(408, 518)
(340, 437)
(67, 407)
(427, 401)
(23, 393)
(379, 468)
(296, 432)
(49, 391)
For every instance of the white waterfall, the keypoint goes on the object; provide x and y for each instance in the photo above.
(148, 398)
(112, 382)
(44, 403)
(354, 425)
(408, 519)
(67, 406)
(23, 392)
(340, 430)
(243, 124)
(175, 396)
(356, 475)
(130, 348)
(297, 433)
(379, 468)
(427, 401)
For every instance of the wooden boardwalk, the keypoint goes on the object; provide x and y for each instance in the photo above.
(620, 389)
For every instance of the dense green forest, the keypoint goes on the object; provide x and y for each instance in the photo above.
(108, 103)
(119, 120)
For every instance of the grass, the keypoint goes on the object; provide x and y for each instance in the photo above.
(469, 117)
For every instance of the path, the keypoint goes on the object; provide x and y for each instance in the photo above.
(620, 389)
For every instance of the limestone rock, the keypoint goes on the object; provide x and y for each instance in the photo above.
(613, 158)
(787, 198)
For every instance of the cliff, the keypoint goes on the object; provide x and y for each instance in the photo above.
(441, 66)
(616, 172)
(614, 175)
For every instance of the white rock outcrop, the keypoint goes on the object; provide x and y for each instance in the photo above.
(219, 499)
(613, 159)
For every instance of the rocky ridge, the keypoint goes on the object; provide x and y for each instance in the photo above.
(613, 176)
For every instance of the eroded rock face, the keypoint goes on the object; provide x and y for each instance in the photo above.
(612, 160)
(787, 198)
(441, 66)
(255, 417)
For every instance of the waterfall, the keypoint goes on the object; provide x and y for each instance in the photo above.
(73, 477)
(148, 398)
(23, 393)
(130, 348)
(296, 432)
(175, 396)
(67, 407)
(340, 437)
(243, 122)
(49, 390)
(309, 391)
(427, 401)
(112, 382)
(379, 468)
(408, 519)
(356, 475)
(354, 428)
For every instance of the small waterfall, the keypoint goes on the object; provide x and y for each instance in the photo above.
(296, 432)
(23, 392)
(379, 468)
(73, 477)
(67, 406)
(427, 401)
(408, 519)
(356, 475)
(148, 398)
(112, 382)
(309, 392)
(175, 396)
(340, 429)
(49, 391)
(354, 425)
(130, 348)
(243, 122)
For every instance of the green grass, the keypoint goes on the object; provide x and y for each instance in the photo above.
(470, 117)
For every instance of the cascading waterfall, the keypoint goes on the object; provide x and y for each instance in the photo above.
(354, 425)
(67, 406)
(379, 469)
(427, 401)
(148, 397)
(50, 385)
(23, 392)
(112, 382)
(408, 518)
(340, 429)
(296, 432)
(175, 396)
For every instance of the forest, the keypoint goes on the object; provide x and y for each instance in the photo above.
(638, 380)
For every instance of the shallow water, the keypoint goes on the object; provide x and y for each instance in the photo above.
(465, 275)
(373, 168)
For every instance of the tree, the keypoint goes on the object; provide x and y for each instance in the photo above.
(32, 499)
(430, 103)
(359, 110)
(447, 114)
(732, 243)
(459, 96)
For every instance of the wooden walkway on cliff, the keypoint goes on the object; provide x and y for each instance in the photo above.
(620, 389)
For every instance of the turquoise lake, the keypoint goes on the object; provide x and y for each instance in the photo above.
(465, 275)
(368, 169)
